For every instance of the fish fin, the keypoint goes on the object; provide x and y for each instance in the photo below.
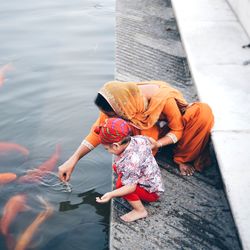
(46, 205)
(42, 200)
(27, 208)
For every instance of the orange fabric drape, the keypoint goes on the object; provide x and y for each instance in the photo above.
(129, 103)
(92, 137)
(191, 124)
(198, 121)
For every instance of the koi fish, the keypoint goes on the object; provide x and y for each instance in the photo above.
(3, 71)
(43, 169)
(14, 205)
(7, 177)
(26, 237)
(6, 147)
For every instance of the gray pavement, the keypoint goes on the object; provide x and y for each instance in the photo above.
(214, 42)
(194, 212)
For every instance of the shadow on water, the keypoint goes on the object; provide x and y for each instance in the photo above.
(87, 198)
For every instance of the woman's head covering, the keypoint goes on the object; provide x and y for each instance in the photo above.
(125, 98)
(129, 103)
(113, 130)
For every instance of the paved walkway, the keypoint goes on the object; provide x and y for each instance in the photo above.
(193, 213)
(214, 42)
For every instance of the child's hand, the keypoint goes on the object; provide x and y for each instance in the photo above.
(153, 143)
(105, 198)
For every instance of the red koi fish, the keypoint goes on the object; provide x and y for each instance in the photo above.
(43, 169)
(3, 71)
(7, 177)
(14, 205)
(26, 237)
(6, 147)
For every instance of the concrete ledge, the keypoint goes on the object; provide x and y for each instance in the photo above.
(213, 38)
(193, 213)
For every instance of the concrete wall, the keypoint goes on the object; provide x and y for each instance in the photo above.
(242, 10)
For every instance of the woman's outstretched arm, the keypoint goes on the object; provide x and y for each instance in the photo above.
(91, 141)
(66, 169)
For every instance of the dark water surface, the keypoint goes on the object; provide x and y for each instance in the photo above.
(61, 52)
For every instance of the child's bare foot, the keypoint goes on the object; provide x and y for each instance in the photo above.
(134, 215)
(186, 169)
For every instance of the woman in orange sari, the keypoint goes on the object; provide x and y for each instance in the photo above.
(149, 107)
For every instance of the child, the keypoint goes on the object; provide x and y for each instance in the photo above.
(139, 176)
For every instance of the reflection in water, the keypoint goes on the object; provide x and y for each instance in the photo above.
(61, 53)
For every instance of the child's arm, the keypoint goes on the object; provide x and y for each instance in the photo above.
(127, 189)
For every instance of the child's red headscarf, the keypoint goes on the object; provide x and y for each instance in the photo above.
(113, 130)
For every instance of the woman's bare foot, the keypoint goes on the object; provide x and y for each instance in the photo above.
(186, 169)
(134, 215)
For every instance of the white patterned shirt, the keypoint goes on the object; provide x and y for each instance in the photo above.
(137, 165)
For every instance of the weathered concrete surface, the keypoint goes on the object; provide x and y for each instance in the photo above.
(148, 44)
(193, 213)
(214, 41)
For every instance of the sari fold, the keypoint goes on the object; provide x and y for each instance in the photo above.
(188, 124)
(129, 103)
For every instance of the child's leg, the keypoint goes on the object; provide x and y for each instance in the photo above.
(138, 212)
(141, 194)
(134, 199)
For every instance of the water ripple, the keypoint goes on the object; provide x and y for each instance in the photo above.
(52, 181)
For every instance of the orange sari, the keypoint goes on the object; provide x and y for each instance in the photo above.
(189, 125)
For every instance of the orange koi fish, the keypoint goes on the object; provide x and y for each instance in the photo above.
(13, 206)
(44, 168)
(7, 177)
(6, 147)
(25, 239)
(3, 71)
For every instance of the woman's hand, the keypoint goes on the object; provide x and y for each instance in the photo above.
(65, 170)
(153, 143)
(105, 198)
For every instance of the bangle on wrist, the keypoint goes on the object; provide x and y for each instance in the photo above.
(159, 144)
